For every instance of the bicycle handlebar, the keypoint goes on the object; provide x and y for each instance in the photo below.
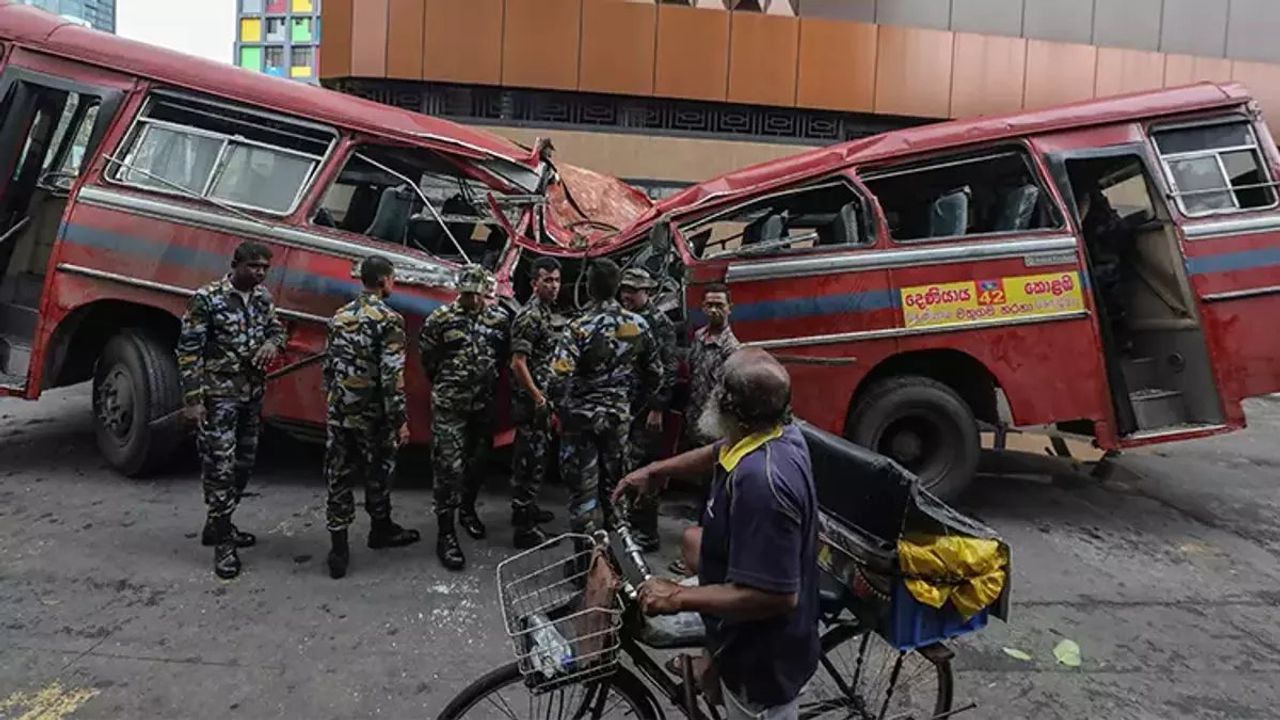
(630, 558)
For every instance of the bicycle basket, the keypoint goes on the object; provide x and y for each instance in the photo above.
(559, 635)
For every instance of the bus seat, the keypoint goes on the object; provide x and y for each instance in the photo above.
(949, 214)
(392, 217)
(843, 229)
(1017, 208)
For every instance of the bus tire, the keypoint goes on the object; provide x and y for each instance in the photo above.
(135, 383)
(923, 425)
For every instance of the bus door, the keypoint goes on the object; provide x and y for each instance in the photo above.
(50, 128)
(1162, 379)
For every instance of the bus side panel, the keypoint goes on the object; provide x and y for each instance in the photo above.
(1050, 368)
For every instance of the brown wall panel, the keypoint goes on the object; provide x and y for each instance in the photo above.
(913, 72)
(1263, 81)
(762, 58)
(618, 40)
(1058, 73)
(540, 43)
(1125, 71)
(463, 41)
(987, 75)
(369, 38)
(404, 38)
(1188, 69)
(692, 53)
(335, 51)
(837, 65)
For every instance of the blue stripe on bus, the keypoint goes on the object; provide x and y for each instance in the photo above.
(1228, 262)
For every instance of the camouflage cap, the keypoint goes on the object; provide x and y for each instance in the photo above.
(638, 278)
(473, 278)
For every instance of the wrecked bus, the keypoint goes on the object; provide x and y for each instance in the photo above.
(131, 172)
(1110, 268)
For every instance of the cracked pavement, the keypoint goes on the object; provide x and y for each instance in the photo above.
(1166, 574)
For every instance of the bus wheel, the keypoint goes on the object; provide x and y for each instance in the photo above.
(924, 426)
(135, 383)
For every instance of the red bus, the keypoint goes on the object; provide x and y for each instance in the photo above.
(1110, 268)
(128, 174)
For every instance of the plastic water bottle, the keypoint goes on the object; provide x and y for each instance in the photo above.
(550, 652)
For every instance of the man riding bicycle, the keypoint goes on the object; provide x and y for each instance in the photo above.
(756, 550)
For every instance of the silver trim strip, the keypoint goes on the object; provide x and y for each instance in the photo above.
(1238, 294)
(171, 289)
(428, 273)
(871, 259)
(910, 332)
(1167, 432)
(1237, 226)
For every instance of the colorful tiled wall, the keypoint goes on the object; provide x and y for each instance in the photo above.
(279, 37)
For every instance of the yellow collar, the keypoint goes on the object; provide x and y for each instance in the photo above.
(731, 456)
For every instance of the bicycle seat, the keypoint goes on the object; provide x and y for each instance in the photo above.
(673, 632)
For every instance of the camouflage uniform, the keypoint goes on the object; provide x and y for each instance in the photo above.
(706, 364)
(535, 334)
(460, 353)
(364, 383)
(592, 383)
(219, 338)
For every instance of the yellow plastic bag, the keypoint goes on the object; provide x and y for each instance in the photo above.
(970, 572)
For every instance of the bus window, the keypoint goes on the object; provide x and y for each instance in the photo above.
(1215, 168)
(823, 215)
(187, 147)
(978, 195)
(372, 196)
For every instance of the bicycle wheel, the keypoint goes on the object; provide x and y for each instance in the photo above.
(862, 676)
(502, 694)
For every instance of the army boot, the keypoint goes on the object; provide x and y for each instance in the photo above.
(386, 534)
(541, 516)
(226, 562)
(208, 537)
(447, 547)
(470, 521)
(524, 520)
(339, 553)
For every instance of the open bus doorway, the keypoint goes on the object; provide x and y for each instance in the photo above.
(1156, 354)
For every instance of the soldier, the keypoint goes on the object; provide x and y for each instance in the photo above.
(645, 441)
(461, 345)
(592, 382)
(367, 423)
(534, 337)
(712, 345)
(230, 334)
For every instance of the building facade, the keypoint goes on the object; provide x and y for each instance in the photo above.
(279, 37)
(662, 93)
(98, 14)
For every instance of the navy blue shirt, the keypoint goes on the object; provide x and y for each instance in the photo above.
(759, 530)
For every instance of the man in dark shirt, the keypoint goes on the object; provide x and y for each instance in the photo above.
(757, 555)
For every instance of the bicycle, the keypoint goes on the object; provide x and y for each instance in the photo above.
(575, 671)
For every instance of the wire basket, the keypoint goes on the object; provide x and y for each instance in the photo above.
(557, 638)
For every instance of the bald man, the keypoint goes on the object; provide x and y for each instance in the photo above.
(757, 552)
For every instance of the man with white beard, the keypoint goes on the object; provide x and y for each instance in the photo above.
(756, 552)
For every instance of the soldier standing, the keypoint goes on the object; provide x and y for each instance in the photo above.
(230, 334)
(713, 343)
(645, 440)
(592, 380)
(534, 337)
(367, 422)
(461, 344)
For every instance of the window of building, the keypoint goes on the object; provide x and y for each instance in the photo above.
(976, 195)
(251, 6)
(301, 29)
(251, 58)
(371, 197)
(251, 30)
(187, 147)
(1215, 168)
(276, 29)
(302, 57)
(829, 214)
(273, 57)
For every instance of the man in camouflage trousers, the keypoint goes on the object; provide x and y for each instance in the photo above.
(461, 345)
(645, 440)
(592, 384)
(230, 334)
(534, 337)
(367, 422)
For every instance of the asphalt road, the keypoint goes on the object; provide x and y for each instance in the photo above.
(1166, 575)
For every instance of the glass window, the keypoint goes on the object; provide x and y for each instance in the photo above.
(826, 215)
(301, 56)
(273, 57)
(1215, 168)
(251, 6)
(977, 195)
(276, 29)
(195, 149)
